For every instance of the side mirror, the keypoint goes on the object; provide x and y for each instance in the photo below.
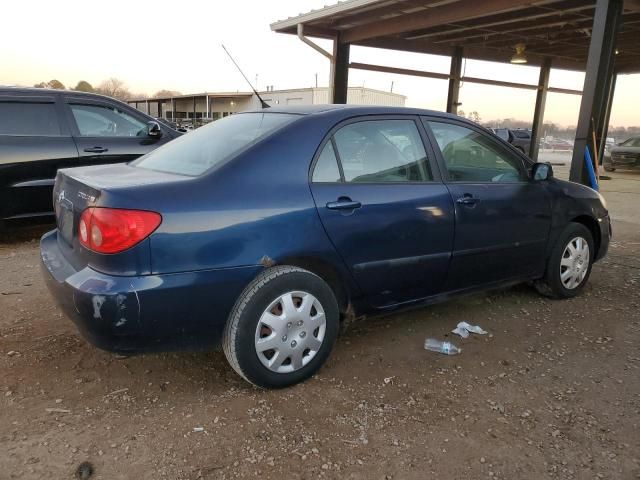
(154, 130)
(541, 171)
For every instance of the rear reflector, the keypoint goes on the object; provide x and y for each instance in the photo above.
(113, 230)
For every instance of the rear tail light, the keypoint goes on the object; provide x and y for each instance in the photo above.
(113, 230)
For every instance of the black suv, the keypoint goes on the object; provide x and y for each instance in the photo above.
(518, 137)
(43, 130)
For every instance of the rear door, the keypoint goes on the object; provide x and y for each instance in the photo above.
(502, 217)
(384, 207)
(107, 132)
(35, 142)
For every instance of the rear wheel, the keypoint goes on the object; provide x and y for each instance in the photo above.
(569, 265)
(609, 168)
(282, 327)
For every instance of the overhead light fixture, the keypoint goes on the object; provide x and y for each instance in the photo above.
(519, 57)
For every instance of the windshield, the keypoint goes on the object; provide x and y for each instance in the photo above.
(632, 142)
(196, 152)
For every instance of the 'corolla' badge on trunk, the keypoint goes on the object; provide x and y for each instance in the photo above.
(86, 196)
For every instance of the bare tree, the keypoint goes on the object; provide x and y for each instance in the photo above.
(474, 117)
(115, 88)
(166, 93)
(138, 96)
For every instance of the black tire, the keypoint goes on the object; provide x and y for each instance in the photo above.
(607, 168)
(239, 337)
(551, 284)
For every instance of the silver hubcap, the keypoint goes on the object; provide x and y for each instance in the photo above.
(290, 332)
(574, 263)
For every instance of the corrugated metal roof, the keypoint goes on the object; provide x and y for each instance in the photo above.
(486, 29)
(329, 10)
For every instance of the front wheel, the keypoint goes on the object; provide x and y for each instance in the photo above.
(569, 265)
(282, 328)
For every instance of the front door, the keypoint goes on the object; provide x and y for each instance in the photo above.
(384, 208)
(106, 133)
(502, 217)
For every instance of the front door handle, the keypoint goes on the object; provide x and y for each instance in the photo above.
(468, 200)
(343, 203)
(96, 150)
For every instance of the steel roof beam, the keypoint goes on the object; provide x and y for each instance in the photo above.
(504, 21)
(449, 13)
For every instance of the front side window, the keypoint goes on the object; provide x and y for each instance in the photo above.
(374, 151)
(471, 156)
(103, 121)
(26, 118)
(211, 145)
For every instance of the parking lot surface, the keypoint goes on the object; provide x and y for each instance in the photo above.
(552, 392)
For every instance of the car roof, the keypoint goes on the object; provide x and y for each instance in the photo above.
(4, 90)
(350, 110)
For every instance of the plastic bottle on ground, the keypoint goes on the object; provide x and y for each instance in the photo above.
(439, 346)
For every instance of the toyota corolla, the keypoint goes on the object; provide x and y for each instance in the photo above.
(264, 230)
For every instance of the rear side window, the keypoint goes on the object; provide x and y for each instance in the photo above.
(26, 118)
(327, 166)
(381, 151)
(196, 152)
(103, 121)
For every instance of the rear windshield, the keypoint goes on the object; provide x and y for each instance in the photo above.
(196, 152)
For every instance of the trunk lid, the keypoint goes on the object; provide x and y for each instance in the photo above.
(77, 189)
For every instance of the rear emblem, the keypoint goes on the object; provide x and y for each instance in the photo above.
(86, 196)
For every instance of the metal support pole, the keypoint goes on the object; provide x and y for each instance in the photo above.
(606, 22)
(454, 81)
(538, 115)
(604, 128)
(340, 71)
(194, 112)
(173, 109)
(207, 102)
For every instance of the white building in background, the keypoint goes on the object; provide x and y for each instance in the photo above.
(207, 106)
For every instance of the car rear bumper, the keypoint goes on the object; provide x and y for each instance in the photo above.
(143, 313)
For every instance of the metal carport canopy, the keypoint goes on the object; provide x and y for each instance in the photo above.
(486, 29)
(600, 37)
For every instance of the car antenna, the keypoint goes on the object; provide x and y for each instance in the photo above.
(264, 104)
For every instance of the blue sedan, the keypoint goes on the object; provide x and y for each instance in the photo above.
(264, 230)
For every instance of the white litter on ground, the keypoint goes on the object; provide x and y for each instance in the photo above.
(463, 329)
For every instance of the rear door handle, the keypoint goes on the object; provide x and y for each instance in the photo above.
(468, 200)
(343, 203)
(96, 150)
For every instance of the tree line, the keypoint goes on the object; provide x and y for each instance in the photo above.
(554, 130)
(112, 87)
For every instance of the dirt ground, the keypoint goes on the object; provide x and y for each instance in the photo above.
(552, 392)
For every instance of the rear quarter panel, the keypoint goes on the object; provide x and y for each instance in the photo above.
(255, 210)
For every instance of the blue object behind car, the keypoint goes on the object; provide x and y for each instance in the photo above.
(263, 230)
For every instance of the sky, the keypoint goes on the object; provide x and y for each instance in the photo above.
(176, 46)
